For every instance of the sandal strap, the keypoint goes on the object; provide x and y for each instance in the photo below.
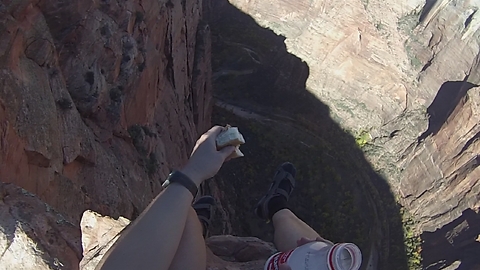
(206, 203)
(206, 224)
(205, 206)
(281, 174)
(274, 190)
(204, 219)
(281, 192)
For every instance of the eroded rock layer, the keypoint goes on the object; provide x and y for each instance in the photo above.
(99, 100)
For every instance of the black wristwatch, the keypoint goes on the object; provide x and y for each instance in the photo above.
(180, 178)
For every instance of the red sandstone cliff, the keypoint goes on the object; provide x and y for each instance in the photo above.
(99, 100)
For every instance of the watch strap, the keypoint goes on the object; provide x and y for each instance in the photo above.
(180, 178)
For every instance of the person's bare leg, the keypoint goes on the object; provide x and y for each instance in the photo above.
(288, 229)
(191, 253)
(152, 240)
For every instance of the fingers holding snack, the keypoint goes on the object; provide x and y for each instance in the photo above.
(208, 154)
(231, 136)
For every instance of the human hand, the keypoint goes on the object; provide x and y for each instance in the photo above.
(302, 241)
(206, 160)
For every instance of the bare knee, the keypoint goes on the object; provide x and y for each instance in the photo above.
(282, 215)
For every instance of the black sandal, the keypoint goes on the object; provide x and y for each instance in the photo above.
(285, 171)
(204, 207)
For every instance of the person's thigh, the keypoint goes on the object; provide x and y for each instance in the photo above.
(191, 252)
(289, 229)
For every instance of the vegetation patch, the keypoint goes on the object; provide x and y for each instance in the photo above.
(139, 17)
(115, 94)
(365, 4)
(65, 104)
(379, 26)
(151, 164)
(139, 134)
(414, 61)
(408, 22)
(363, 138)
(412, 240)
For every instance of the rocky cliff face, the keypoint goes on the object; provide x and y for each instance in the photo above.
(402, 77)
(381, 66)
(35, 236)
(99, 100)
(224, 252)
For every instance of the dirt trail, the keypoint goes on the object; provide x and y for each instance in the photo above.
(252, 112)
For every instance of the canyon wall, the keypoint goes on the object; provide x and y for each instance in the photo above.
(99, 101)
(406, 73)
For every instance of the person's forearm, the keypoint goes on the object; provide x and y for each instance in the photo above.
(151, 241)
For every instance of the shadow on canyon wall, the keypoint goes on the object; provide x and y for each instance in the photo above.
(456, 241)
(448, 97)
(261, 87)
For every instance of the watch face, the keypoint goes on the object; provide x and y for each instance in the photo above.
(166, 183)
